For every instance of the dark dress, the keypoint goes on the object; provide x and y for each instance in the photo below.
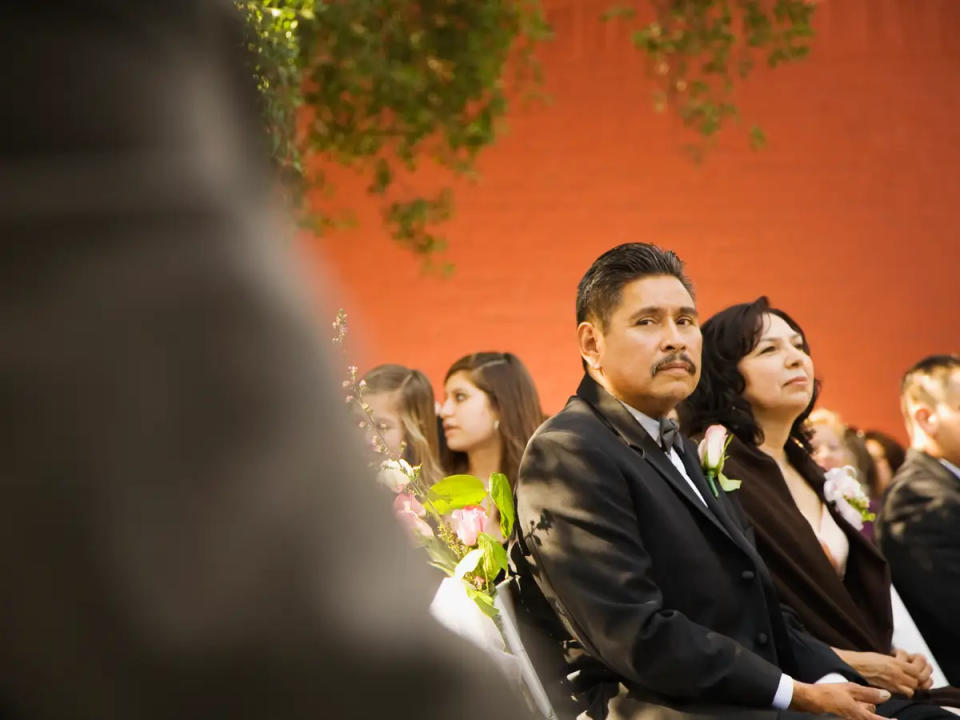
(852, 612)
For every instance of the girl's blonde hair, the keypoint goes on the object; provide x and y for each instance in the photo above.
(418, 414)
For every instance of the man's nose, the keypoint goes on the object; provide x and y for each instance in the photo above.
(672, 337)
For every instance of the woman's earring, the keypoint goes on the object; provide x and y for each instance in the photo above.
(496, 424)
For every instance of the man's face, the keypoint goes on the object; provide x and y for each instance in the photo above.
(649, 354)
(947, 415)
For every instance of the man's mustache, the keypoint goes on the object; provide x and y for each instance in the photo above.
(675, 358)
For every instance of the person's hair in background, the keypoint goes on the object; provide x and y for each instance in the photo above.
(828, 435)
(888, 455)
(402, 405)
(862, 461)
(505, 416)
(718, 399)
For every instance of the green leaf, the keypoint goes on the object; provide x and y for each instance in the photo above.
(456, 491)
(728, 484)
(468, 563)
(502, 496)
(441, 556)
(483, 601)
(494, 556)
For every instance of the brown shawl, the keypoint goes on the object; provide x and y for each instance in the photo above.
(851, 613)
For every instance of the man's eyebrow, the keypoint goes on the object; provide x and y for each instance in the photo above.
(658, 311)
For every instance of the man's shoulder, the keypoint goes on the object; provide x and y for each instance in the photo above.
(576, 422)
(921, 479)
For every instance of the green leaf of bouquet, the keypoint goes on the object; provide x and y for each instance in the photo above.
(494, 556)
(441, 556)
(502, 496)
(455, 492)
(728, 484)
(483, 601)
(468, 563)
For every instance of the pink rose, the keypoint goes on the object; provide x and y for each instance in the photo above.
(409, 511)
(404, 502)
(712, 446)
(468, 523)
(417, 527)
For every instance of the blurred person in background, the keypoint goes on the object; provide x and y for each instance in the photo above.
(403, 408)
(888, 455)
(175, 500)
(835, 445)
(919, 523)
(490, 410)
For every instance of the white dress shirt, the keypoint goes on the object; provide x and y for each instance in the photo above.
(784, 694)
(951, 467)
(653, 430)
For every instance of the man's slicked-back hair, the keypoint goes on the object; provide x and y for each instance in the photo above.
(936, 365)
(599, 290)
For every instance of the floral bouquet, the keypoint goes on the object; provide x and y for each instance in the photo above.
(446, 518)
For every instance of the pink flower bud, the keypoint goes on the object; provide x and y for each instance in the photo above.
(468, 523)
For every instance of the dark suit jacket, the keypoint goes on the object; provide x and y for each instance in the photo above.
(919, 532)
(650, 592)
(852, 612)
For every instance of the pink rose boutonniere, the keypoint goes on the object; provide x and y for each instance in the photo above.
(712, 451)
(847, 495)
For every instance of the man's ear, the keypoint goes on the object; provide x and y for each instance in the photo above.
(590, 341)
(925, 419)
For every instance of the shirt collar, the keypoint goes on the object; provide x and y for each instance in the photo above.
(646, 422)
(946, 463)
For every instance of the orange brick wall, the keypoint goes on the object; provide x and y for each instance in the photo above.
(848, 220)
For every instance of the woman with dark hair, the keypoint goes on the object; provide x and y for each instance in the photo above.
(490, 410)
(758, 382)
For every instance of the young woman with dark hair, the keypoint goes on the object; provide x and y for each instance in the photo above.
(758, 381)
(490, 410)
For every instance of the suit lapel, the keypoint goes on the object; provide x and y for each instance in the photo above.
(619, 419)
(718, 503)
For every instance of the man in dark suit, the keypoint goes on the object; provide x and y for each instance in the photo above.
(919, 523)
(651, 589)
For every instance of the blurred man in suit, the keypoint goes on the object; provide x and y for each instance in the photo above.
(919, 522)
(178, 529)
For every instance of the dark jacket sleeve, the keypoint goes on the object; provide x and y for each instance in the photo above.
(582, 530)
(814, 658)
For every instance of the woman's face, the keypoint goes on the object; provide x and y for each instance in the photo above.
(468, 418)
(777, 373)
(385, 409)
(829, 449)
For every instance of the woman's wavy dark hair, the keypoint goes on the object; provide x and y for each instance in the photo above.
(728, 337)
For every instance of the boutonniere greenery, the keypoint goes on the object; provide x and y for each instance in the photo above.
(713, 454)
